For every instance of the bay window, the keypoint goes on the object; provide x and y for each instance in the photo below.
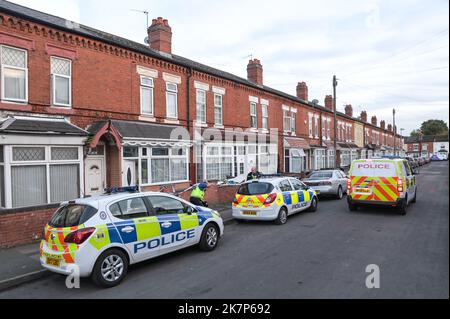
(61, 77)
(14, 74)
(218, 162)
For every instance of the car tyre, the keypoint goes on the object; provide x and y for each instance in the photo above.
(352, 207)
(282, 217)
(340, 193)
(110, 268)
(209, 238)
(402, 209)
(313, 207)
(415, 196)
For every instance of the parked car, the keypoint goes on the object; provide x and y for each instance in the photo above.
(413, 164)
(328, 182)
(421, 161)
(435, 158)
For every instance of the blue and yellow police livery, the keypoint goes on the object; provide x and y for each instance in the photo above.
(100, 236)
(273, 199)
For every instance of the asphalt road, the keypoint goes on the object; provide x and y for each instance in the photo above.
(315, 255)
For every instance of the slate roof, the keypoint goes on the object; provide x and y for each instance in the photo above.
(35, 125)
(426, 138)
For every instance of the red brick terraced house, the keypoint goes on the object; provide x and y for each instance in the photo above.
(82, 110)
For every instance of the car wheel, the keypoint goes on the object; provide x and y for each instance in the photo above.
(313, 207)
(402, 209)
(210, 238)
(415, 196)
(352, 207)
(340, 193)
(110, 268)
(282, 217)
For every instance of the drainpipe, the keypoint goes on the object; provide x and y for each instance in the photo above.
(188, 121)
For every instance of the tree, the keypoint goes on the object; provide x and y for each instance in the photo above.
(434, 127)
(414, 133)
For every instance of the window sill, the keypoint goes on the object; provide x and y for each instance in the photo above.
(218, 126)
(15, 106)
(200, 124)
(61, 110)
(171, 121)
(147, 118)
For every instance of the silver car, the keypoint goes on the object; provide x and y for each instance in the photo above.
(328, 182)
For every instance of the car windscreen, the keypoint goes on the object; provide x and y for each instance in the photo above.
(321, 175)
(255, 188)
(72, 215)
(373, 168)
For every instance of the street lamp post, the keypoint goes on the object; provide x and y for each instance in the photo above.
(393, 128)
(334, 119)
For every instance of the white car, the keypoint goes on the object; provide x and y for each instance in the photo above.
(102, 235)
(273, 199)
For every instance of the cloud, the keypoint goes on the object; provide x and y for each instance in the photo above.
(385, 53)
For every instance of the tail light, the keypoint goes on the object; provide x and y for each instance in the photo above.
(79, 236)
(349, 183)
(400, 185)
(271, 198)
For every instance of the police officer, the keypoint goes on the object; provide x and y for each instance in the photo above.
(198, 195)
(254, 174)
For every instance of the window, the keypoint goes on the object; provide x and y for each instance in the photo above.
(255, 188)
(218, 162)
(286, 121)
(42, 175)
(201, 106)
(129, 208)
(162, 164)
(285, 186)
(310, 128)
(72, 215)
(253, 118)
(416, 147)
(293, 121)
(218, 103)
(316, 126)
(297, 185)
(171, 101)
(61, 76)
(163, 205)
(264, 116)
(14, 74)
(146, 95)
(130, 151)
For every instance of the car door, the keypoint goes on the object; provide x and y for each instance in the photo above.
(342, 180)
(137, 228)
(178, 222)
(300, 195)
(286, 190)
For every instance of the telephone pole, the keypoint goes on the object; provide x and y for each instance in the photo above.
(334, 120)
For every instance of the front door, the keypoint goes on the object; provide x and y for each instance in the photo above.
(94, 180)
(129, 173)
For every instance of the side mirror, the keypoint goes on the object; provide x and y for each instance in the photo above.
(190, 210)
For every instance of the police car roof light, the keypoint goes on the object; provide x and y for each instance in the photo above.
(125, 189)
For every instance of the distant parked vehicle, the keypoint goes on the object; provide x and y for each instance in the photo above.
(421, 161)
(413, 164)
(435, 158)
(328, 182)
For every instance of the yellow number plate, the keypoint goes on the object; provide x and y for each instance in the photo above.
(249, 213)
(53, 262)
(362, 190)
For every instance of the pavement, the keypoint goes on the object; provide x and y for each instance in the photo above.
(314, 255)
(21, 264)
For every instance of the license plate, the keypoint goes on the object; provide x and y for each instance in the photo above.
(363, 190)
(53, 262)
(249, 213)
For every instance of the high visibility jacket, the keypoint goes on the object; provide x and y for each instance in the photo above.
(198, 193)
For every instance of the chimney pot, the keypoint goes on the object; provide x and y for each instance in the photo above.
(349, 110)
(255, 71)
(374, 120)
(383, 124)
(363, 116)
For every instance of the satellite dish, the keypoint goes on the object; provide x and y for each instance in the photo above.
(315, 101)
(146, 40)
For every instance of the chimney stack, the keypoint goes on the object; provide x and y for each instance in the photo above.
(374, 120)
(389, 127)
(160, 35)
(329, 102)
(383, 124)
(363, 116)
(349, 110)
(255, 71)
(302, 91)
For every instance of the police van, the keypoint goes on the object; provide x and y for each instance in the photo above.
(273, 199)
(101, 236)
(383, 182)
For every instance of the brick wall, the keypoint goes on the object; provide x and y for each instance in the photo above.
(24, 227)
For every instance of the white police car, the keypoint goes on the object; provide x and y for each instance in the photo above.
(102, 235)
(273, 199)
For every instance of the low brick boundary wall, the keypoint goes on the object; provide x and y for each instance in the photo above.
(18, 227)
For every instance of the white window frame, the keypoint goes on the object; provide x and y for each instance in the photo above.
(53, 79)
(310, 124)
(254, 114)
(200, 105)
(316, 126)
(147, 86)
(286, 121)
(175, 93)
(47, 162)
(264, 116)
(294, 121)
(216, 107)
(2, 80)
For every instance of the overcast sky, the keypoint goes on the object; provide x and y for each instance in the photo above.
(385, 53)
